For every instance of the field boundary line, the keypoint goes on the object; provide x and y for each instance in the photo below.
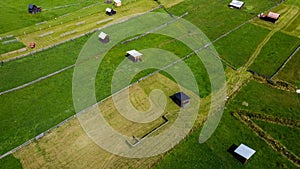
(37, 80)
(39, 136)
(285, 62)
(76, 37)
(273, 143)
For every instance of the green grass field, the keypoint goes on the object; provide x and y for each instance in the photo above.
(34, 109)
(213, 153)
(214, 18)
(291, 71)
(14, 15)
(286, 135)
(264, 99)
(274, 53)
(40, 64)
(7, 47)
(237, 47)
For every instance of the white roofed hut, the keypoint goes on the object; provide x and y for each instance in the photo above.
(236, 4)
(117, 3)
(134, 55)
(243, 153)
(103, 37)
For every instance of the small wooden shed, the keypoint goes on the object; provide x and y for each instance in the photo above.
(134, 55)
(103, 37)
(243, 153)
(117, 3)
(271, 16)
(181, 99)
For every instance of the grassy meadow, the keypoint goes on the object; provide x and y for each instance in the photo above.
(14, 15)
(38, 107)
(288, 136)
(237, 47)
(213, 153)
(274, 53)
(262, 98)
(291, 71)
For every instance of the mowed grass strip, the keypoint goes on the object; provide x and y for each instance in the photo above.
(215, 18)
(28, 112)
(262, 98)
(291, 71)
(213, 153)
(237, 47)
(38, 107)
(274, 53)
(4, 48)
(24, 70)
(57, 148)
(14, 15)
(288, 136)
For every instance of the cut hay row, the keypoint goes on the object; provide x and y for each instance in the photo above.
(10, 41)
(80, 23)
(67, 33)
(104, 20)
(40, 23)
(46, 34)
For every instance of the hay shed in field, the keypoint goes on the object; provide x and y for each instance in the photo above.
(236, 4)
(243, 153)
(103, 37)
(271, 16)
(181, 99)
(117, 3)
(134, 55)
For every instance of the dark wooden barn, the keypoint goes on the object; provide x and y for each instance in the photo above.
(181, 99)
(33, 9)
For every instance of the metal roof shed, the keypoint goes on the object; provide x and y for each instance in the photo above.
(103, 37)
(236, 4)
(244, 153)
(134, 55)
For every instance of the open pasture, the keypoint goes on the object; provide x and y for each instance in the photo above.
(274, 53)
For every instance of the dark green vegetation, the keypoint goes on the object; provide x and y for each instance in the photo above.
(40, 106)
(264, 99)
(14, 14)
(237, 47)
(10, 162)
(214, 18)
(37, 65)
(288, 136)
(4, 48)
(213, 153)
(106, 68)
(36, 108)
(291, 71)
(274, 53)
